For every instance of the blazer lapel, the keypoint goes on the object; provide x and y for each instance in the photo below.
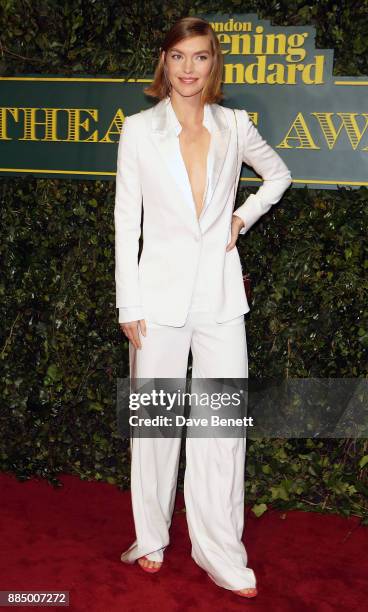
(220, 138)
(167, 147)
(167, 142)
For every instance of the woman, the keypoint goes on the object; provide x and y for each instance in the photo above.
(183, 158)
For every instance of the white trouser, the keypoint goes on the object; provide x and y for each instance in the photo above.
(214, 476)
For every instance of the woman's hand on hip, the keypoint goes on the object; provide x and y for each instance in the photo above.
(236, 224)
(131, 330)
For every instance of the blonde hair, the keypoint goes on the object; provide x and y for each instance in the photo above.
(188, 27)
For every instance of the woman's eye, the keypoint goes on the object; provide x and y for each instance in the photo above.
(202, 57)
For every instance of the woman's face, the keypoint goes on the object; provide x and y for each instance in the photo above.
(188, 65)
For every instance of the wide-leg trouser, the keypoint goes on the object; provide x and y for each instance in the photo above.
(214, 475)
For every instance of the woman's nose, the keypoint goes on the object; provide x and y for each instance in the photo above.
(188, 66)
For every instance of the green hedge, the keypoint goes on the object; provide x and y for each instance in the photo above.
(61, 348)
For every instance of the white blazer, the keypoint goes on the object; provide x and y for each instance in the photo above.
(151, 176)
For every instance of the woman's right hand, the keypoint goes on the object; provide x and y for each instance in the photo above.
(131, 330)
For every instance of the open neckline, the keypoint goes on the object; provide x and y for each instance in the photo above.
(207, 122)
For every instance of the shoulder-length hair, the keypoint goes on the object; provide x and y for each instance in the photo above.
(188, 27)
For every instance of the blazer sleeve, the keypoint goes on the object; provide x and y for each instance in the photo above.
(269, 165)
(127, 218)
(131, 313)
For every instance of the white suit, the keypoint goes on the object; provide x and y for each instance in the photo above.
(190, 292)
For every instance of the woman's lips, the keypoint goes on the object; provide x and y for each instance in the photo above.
(187, 81)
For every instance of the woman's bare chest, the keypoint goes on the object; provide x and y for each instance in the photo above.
(194, 147)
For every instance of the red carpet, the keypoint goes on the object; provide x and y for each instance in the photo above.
(71, 539)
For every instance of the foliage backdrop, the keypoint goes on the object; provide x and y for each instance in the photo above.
(61, 348)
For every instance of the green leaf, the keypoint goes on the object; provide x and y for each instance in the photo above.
(54, 372)
(279, 492)
(259, 509)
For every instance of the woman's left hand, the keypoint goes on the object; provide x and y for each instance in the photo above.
(236, 224)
